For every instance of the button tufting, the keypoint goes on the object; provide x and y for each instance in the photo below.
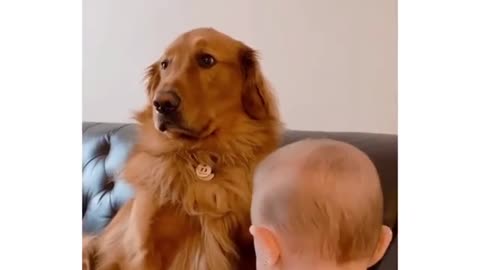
(109, 185)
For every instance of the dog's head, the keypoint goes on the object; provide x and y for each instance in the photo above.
(206, 81)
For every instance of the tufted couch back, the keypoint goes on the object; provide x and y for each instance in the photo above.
(106, 147)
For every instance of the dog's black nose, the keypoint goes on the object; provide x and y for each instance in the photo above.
(166, 102)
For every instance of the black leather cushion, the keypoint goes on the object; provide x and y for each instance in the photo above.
(106, 147)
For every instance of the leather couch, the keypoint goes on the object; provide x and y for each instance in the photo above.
(106, 147)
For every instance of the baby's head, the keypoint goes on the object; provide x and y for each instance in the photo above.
(318, 204)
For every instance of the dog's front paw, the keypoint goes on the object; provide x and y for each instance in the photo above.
(141, 259)
(138, 258)
(88, 252)
(87, 264)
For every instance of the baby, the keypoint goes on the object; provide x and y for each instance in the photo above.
(318, 204)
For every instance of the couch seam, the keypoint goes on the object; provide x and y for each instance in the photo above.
(88, 162)
(117, 129)
(95, 124)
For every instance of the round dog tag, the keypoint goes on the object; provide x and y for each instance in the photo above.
(204, 172)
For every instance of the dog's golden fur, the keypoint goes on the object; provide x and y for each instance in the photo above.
(176, 221)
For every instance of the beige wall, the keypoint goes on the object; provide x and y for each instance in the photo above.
(333, 62)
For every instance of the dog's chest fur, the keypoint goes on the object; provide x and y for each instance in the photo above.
(196, 224)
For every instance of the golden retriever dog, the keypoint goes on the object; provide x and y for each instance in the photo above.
(210, 119)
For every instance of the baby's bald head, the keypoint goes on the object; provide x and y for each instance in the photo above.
(322, 198)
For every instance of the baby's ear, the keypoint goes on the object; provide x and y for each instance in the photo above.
(266, 245)
(382, 245)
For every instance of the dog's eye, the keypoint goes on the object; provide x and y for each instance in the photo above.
(206, 60)
(164, 64)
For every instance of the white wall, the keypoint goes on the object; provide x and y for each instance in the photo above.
(333, 62)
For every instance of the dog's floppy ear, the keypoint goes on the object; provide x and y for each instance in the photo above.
(257, 98)
(152, 79)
